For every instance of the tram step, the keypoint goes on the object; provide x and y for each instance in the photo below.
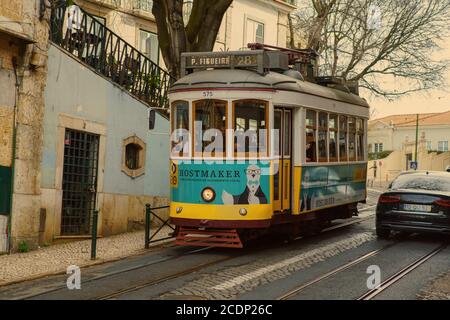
(225, 238)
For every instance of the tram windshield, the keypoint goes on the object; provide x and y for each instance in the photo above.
(210, 125)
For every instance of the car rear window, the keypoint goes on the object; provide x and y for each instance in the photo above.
(422, 182)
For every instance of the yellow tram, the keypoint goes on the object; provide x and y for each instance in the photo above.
(255, 147)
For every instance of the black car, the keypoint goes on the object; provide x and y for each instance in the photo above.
(415, 202)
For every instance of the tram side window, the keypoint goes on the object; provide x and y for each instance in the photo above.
(311, 126)
(210, 127)
(351, 139)
(180, 128)
(250, 127)
(323, 131)
(333, 134)
(360, 139)
(342, 138)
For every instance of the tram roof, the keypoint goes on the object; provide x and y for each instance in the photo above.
(237, 78)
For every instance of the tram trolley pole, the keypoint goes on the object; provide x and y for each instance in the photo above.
(94, 235)
(147, 225)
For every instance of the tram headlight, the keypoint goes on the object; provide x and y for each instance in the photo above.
(178, 210)
(243, 212)
(208, 194)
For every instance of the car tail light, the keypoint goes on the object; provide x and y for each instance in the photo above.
(442, 203)
(389, 199)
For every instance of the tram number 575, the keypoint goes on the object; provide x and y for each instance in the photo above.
(207, 94)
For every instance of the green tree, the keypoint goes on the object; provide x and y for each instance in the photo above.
(196, 35)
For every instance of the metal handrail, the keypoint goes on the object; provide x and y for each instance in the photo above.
(165, 222)
(82, 35)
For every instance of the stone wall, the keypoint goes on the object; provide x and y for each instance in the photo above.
(23, 53)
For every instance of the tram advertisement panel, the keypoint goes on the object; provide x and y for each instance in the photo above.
(241, 182)
(325, 186)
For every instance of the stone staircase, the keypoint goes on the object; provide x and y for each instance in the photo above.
(99, 48)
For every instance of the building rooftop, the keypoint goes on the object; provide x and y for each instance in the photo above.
(409, 120)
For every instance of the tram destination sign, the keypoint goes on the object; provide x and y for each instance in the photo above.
(233, 59)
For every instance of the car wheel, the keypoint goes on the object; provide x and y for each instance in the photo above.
(383, 233)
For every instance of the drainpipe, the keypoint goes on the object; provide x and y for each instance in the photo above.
(13, 160)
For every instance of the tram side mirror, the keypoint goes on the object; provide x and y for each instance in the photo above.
(151, 119)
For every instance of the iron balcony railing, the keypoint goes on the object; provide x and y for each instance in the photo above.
(79, 33)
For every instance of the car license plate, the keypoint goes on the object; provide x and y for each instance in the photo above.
(416, 207)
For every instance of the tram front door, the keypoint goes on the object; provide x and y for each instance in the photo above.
(282, 167)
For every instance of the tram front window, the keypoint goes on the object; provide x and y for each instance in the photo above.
(250, 127)
(210, 127)
(180, 128)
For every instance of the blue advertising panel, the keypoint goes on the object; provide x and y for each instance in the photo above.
(324, 186)
(240, 182)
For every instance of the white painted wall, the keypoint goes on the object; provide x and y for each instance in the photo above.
(394, 139)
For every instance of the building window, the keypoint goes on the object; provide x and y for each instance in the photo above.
(149, 45)
(378, 147)
(333, 134)
(144, 5)
(343, 138)
(255, 31)
(250, 127)
(310, 132)
(443, 146)
(429, 146)
(210, 126)
(133, 156)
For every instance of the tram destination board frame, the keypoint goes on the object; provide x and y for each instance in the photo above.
(252, 59)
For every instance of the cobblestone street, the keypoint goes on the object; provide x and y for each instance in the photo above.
(264, 272)
(55, 259)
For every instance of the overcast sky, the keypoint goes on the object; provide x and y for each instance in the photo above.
(433, 101)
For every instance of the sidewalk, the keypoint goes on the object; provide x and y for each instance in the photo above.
(56, 258)
(439, 289)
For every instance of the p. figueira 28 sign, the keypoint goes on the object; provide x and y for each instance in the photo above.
(229, 60)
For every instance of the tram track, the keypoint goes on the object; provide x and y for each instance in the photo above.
(110, 274)
(374, 292)
(167, 277)
(333, 272)
(401, 273)
(203, 266)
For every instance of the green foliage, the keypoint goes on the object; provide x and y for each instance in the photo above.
(23, 246)
(379, 155)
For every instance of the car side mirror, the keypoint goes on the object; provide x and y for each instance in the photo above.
(151, 119)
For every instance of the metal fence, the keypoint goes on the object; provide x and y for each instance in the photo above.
(91, 41)
(149, 211)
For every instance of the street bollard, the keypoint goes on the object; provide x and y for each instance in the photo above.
(94, 235)
(147, 225)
